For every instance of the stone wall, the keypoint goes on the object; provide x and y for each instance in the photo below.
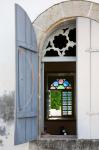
(72, 144)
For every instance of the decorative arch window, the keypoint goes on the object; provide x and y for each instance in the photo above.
(60, 84)
(61, 42)
(60, 99)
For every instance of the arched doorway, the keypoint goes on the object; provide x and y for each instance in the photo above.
(59, 60)
(86, 99)
(84, 9)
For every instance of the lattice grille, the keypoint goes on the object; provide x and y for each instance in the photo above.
(62, 42)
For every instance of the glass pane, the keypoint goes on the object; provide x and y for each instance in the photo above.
(69, 93)
(65, 108)
(52, 88)
(65, 112)
(69, 98)
(64, 94)
(65, 98)
(69, 112)
(61, 84)
(66, 83)
(69, 102)
(61, 81)
(60, 87)
(55, 103)
(69, 107)
(55, 83)
(60, 99)
(65, 102)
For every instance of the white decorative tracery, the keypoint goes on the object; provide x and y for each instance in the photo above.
(61, 42)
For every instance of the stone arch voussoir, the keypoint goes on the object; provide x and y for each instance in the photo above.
(59, 13)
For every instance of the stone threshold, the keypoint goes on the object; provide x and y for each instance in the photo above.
(58, 137)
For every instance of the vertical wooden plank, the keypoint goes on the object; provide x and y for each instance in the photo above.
(22, 85)
(34, 106)
(28, 93)
(33, 40)
(20, 123)
(32, 94)
(94, 80)
(34, 131)
(34, 82)
(20, 131)
(21, 82)
(29, 85)
(28, 32)
(83, 78)
(20, 24)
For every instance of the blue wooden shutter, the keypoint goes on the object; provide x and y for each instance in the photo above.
(26, 125)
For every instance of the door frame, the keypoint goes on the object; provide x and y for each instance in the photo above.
(41, 103)
(85, 9)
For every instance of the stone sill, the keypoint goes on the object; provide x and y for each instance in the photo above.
(58, 137)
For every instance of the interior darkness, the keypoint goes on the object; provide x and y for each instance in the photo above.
(72, 35)
(53, 126)
(60, 41)
(64, 30)
(51, 53)
(71, 51)
(49, 45)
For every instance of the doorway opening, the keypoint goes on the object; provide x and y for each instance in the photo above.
(59, 98)
(59, 61)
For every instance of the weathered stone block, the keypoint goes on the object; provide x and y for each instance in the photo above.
(65, 145)
(47, 19)
(94, 14)
(75, 8)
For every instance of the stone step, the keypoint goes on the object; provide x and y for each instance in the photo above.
(63, 143)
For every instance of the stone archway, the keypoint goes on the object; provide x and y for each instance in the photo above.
(61, 12)
(57, 14)
(45, 23)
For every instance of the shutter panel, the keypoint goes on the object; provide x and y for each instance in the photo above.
(94, 80)
(83, 78)
(26, 125)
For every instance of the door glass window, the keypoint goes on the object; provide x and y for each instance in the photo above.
(60, 98)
